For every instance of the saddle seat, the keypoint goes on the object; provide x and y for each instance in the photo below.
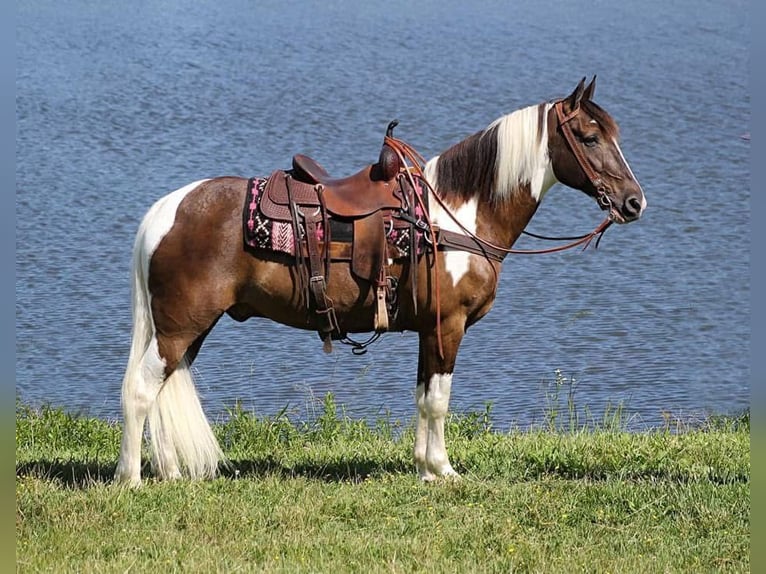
(355, 196)
(373, 188)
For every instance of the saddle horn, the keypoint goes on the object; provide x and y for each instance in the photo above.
(389, 163)
(390, 129)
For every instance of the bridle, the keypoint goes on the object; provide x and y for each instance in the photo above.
(598, 184)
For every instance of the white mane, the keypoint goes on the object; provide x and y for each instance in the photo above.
(522, 155)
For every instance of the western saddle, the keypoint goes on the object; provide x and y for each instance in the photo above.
(372, 199)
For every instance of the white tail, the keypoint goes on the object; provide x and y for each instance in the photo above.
(181, 436)
(181, 439)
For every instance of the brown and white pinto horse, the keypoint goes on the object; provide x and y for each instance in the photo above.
(190, 267)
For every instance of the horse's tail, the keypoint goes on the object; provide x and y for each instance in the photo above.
(143, 326)
(180, 436)
(138, 393)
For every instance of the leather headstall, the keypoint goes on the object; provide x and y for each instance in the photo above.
(595, 179)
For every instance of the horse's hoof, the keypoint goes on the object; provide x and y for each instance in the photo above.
(426, 475)
(449, 474)
(445, 474)
(121, 482)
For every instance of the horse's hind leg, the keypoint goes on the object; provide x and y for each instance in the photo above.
(146, 376)
(181, 436)
(432, 398)
(143, 380)
(158, 385)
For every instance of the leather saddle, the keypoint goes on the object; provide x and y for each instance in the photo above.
(374, 188)
(307, 195)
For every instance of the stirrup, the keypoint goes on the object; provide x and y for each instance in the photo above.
(381, 309)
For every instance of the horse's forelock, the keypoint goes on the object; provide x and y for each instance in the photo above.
(603, 118)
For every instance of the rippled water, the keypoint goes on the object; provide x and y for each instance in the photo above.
(117, 105)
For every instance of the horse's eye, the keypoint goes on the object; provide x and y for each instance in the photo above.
(590, 141)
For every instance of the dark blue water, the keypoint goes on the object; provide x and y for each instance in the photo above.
(118, 104)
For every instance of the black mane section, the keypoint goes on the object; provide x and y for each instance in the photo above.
(468, 168)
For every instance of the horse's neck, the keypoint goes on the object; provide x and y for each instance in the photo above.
(502, 222)
(496, 215)
(498, 221)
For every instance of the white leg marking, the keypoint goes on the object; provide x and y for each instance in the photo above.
(421, 435)
(437, 403)
(140, 388)
(431, 457)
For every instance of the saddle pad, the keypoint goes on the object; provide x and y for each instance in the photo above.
(261, 232)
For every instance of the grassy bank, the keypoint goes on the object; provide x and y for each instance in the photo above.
(336, 495)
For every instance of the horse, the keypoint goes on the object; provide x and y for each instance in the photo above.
(190, 266)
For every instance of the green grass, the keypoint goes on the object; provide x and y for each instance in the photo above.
(340, 495)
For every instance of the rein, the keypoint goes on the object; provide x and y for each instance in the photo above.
(481, 246)
(406, 152)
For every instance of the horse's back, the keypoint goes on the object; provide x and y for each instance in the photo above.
(197, 223)
(212, 201)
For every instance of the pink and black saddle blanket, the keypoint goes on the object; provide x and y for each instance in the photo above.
(261, 232)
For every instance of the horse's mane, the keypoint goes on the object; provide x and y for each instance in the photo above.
(493, 163)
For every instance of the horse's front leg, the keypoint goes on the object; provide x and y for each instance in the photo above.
(432, 399)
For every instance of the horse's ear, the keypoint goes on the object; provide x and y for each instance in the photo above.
(588, 94)
(574, 98)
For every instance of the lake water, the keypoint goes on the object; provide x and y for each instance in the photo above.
(119, 103)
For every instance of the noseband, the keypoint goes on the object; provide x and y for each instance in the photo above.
(602, 196)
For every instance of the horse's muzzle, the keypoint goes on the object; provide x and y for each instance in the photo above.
(627, 208)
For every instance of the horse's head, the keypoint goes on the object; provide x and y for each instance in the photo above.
(583, 144)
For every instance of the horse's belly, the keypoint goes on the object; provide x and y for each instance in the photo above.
(275, 292)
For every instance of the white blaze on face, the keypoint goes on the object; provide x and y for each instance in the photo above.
(630, 171)
(456, 263)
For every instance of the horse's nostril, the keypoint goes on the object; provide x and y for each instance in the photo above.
(632, 207)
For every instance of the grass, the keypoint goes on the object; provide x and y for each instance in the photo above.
(339, 495)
